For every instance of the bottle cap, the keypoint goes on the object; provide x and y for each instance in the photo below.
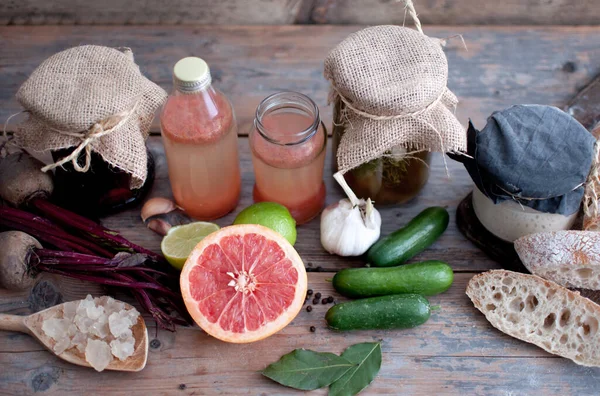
(191, 74)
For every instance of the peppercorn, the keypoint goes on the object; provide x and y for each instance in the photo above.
(313, 329)
(330, 299)
(324, 301)
(309, 308)
(318, 295)
(309, 292)
(315, 301)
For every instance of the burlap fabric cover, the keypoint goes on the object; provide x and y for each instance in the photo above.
(91, 96)
(393, 82)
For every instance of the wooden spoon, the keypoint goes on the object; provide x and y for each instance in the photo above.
(32, 325)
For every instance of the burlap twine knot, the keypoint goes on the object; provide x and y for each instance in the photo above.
(91, 99)
(391, 82)
(95, 132)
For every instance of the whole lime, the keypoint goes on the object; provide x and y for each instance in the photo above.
(271, 215)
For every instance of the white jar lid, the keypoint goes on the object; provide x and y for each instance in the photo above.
(191, 74)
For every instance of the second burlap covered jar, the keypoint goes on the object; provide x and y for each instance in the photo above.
(392, 109)
(91, 108)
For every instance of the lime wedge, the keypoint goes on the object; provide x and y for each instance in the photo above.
(179, 242)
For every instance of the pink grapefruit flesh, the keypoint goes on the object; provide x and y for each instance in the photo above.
(243, 283)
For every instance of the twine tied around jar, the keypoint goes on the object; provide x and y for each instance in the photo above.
(390, 82)
(96, 131)
(88, 99)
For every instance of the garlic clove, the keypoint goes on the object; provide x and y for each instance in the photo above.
(160, 214)
(158, 225)
(156, 206)
(372, 216)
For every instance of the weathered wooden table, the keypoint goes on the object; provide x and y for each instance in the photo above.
(456, 351)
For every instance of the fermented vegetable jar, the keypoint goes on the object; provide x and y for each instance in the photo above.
(392, 109)
(393, 178)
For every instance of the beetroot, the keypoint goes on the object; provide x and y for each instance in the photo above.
(16, 249)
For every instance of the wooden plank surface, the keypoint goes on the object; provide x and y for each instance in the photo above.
(148, 12)
(503, 65)
(459, 12)
(456, 352)
(272, 12)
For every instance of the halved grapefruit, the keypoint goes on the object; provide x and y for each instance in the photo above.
(243, 283)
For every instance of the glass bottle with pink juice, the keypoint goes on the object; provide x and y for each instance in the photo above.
(200, 137)
(288, 153)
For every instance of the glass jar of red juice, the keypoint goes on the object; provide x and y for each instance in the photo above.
(288, 153)
(200, 137)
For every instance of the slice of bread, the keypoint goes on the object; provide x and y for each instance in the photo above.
(591, 210)
(569, 258)
(541, 312)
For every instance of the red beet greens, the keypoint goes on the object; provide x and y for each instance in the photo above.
(82, 248)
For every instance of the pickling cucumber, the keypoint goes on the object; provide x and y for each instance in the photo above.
(427, 278)
(410, 240)
(400, 311)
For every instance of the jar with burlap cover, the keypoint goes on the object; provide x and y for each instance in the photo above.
(391, 83)
(93, 99)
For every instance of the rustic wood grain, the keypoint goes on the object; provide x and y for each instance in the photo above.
(148, 12)
(274, 12)
(461, 12)
(585, 106)
(456, 351)
(503, 65)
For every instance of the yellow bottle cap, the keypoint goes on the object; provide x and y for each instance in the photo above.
(191, 74)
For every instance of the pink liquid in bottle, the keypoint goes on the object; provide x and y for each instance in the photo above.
(200, 138)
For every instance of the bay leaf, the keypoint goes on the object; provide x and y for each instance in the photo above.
(367, 357)
(307, 370)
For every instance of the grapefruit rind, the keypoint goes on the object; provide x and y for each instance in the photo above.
(266, 330)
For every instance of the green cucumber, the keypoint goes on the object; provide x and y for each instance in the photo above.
(410, 240)
(400, 311)
(427, 278)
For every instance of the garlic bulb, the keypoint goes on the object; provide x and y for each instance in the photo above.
(351, 226)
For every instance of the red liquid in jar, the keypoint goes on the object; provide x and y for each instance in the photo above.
(292, 174)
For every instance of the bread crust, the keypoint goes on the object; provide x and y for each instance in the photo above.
(569, 258)
(540, 312)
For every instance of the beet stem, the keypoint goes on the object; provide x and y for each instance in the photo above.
(104, 281)
(45, 237)
(46, 227)
(93, 267)
(56, 256)
(87, 226)
(163, 319)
